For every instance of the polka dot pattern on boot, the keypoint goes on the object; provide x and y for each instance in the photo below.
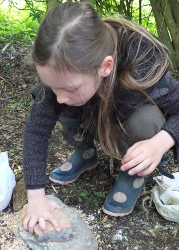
(78, 137)
(138, 182)
(120, 197)
(89, 153)
(66, 166)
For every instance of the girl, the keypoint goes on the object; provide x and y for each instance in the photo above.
(104, 79)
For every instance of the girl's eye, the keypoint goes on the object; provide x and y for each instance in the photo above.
(71, 91)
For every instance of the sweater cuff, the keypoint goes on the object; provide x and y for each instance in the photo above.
(32, 187)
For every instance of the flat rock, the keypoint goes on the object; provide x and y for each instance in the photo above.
(52, 235)
(83, 237)
(19, 195)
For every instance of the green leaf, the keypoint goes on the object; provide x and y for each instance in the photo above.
(63, 196)
(83, 194)
(99, 194)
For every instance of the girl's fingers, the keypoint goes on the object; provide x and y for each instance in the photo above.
(31, 225)
(53, 221)
(132, 148)
(140, 167)
(25, 223)
(133, 162)
(29, 221)
(133, 153)
(148, 170)
(42, 224)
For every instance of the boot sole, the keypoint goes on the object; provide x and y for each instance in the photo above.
(115, 214)
(71, 181)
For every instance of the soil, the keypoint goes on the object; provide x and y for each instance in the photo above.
(144, 228)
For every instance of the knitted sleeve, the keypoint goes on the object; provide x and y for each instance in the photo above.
(167, 99)
(38, 129)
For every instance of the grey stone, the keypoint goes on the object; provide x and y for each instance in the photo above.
(35, 246)
(63, 235)
(83, 237)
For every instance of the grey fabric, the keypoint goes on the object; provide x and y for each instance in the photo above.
(143, 124)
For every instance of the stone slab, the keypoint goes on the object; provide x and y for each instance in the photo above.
(52, 235)
(83, 237)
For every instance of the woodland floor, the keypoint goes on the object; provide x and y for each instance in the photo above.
(143, 229)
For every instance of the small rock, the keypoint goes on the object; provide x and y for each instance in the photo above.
(19, 195)
(83, 237)
(61, 218)
(65, 232)
(90, 218)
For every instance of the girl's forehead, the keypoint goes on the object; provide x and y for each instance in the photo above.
(54, 78)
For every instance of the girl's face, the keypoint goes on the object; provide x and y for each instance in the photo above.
(73, 89)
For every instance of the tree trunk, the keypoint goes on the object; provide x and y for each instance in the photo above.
(167, 22)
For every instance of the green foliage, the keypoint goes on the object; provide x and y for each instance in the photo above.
(83, 194)
(37, 9)
(17, 26)
(130, 11)
(148, 20)
(99, 194)
(20, 22)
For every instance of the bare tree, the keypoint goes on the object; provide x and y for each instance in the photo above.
(166, 14)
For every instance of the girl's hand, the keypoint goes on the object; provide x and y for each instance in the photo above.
(144, 156)
(39, 209)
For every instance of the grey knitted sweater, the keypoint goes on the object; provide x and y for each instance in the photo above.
(45, 112)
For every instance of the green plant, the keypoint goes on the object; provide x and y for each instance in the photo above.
(17, 26)
(99, 194)
(176, 227)
(92, 201)
(83, 194)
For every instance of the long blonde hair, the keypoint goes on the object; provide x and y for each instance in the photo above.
(72, 36)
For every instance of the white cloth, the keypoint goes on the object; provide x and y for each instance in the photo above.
(7, 181)
(166, 197)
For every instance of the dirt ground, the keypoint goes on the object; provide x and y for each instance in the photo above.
(143, 229)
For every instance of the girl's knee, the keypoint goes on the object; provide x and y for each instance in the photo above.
(143, 124)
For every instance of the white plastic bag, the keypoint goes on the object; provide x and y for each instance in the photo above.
(7, 181)
(166, 197)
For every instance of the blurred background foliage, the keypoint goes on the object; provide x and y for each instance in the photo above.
(20, 19)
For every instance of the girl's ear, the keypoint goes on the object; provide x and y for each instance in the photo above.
(106, 66)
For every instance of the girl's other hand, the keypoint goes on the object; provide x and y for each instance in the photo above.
(144, 156)
(39, 209)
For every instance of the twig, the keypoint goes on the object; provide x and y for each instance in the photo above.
(7, 57)
(5, 47)
(54, 189)
(111, 166)
(5, 80)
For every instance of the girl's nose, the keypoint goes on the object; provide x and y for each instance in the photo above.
(62, 99)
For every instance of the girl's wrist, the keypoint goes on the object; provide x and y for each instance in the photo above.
(34, 193)
(164, 140)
